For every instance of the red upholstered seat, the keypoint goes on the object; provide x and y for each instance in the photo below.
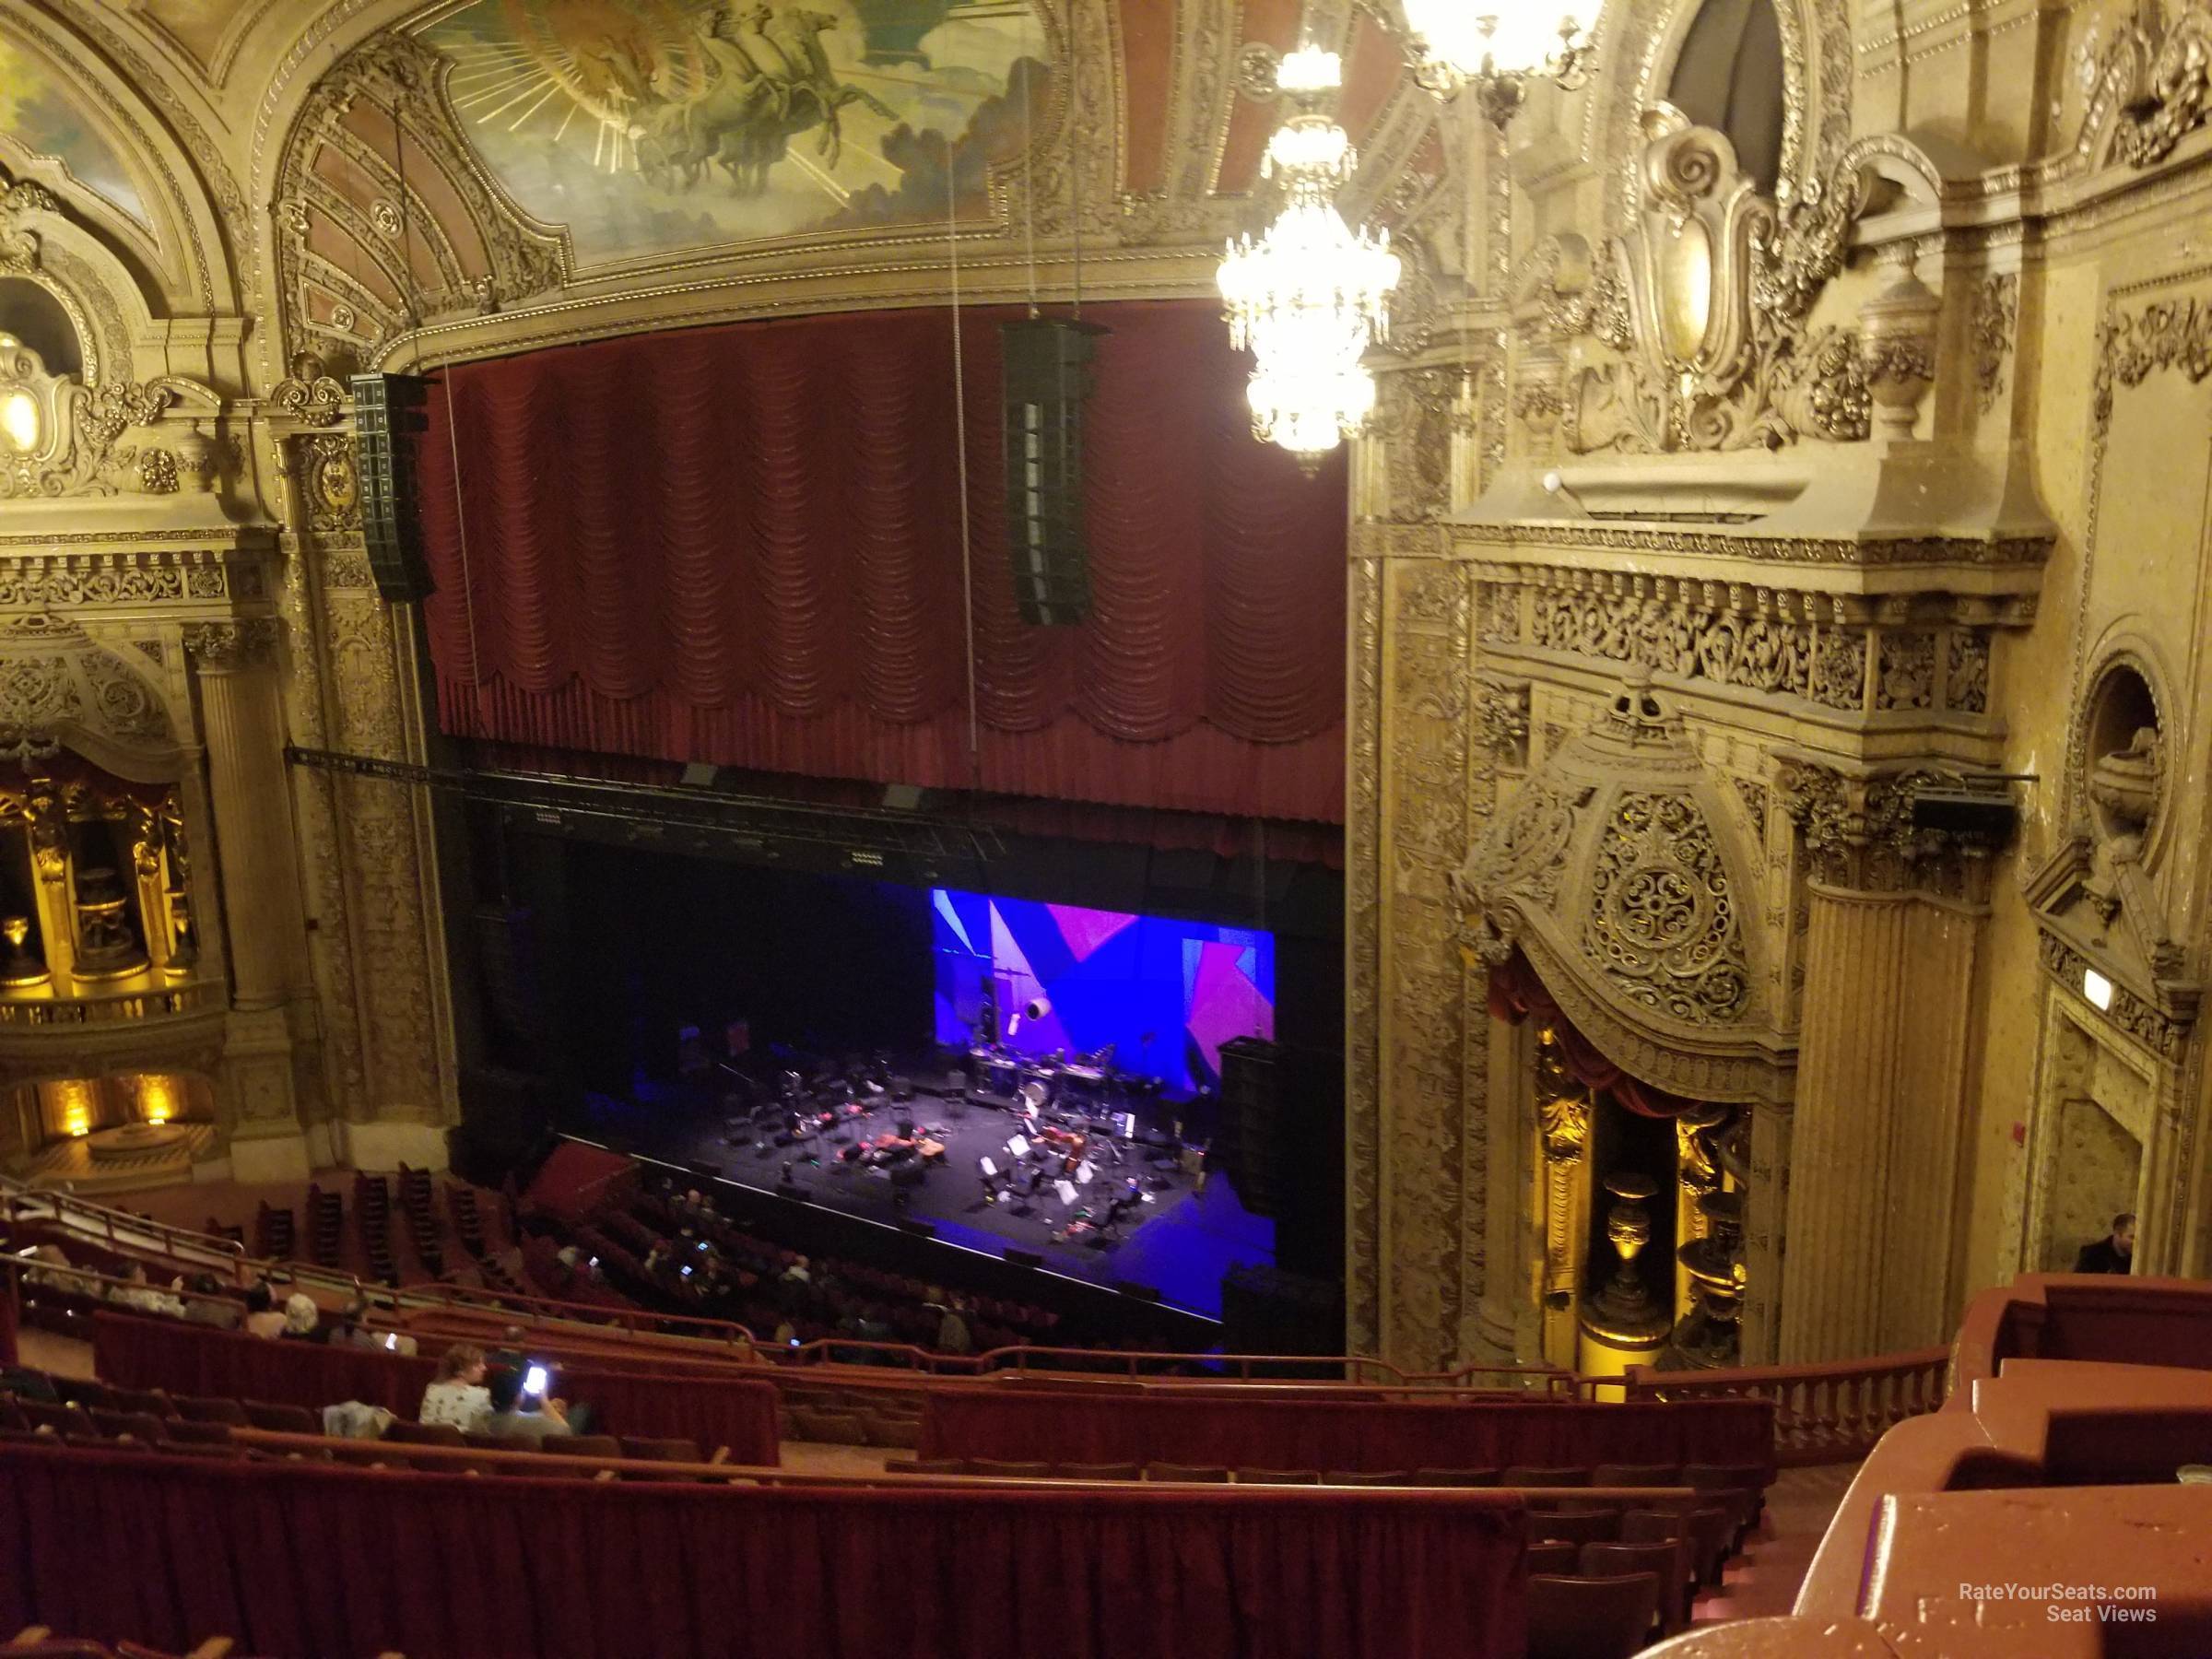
(211, 1411)
(141, 1426)
(1535, 1474)
(1455, 1477)
(1636, 1474)
(1553, 1557)
(1664, 1556)
(1574, 1526)
(404, 1434)
(281, 1419)
(1589, 1618)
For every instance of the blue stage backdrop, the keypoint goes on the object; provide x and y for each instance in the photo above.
(1165, 994)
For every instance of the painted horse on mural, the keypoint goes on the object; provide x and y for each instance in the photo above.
(773, 82)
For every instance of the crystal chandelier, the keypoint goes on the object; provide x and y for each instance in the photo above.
(1497, 52)
(1310, 295)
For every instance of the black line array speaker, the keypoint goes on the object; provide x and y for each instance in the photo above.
(388, 413)
(1048, 381)
(1248, 1143)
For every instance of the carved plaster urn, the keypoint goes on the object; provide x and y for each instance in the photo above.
(1897, 351)
(2125, 782)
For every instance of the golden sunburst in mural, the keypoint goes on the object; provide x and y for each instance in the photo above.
(610, 61)
(646, 124)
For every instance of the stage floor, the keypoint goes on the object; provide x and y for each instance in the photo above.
(1186, 1242)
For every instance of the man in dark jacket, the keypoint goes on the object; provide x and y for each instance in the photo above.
(2115, 1254)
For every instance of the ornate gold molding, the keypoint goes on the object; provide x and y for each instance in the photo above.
(1997, 313)
(34, 578)
(2165, 1035)
(56, 682)
(1618, 867)
(1363, 946)
(1702, 299)
(308, 394)
(2132, 346)
(1734, 543)
(79, 450)
(222, 647)
(407, 80)
(1858, 833)
(2157, 69)
(1840, 651)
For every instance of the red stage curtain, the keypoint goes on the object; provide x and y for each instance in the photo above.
(298, 1559)
(1334, 1434)
(742, 544)
(139, 1352)
(1516, 994)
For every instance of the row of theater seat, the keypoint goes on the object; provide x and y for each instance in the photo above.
(87, 1411)
(1617, 1574)
(888, 1422)
(1741, 1484)
(38, 1642)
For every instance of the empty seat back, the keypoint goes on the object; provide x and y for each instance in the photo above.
(281, 1419)
(1636, 1475)
(1589, 1618)
(404, 1434)
(1666, 1557)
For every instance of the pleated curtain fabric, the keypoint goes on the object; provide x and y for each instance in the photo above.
(743, 545)
(1067, 1427)
(310, 1561)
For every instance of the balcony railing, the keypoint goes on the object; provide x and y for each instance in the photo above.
(1823, 1414)
(112, 1008)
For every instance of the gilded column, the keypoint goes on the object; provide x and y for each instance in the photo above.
(1873, 1159)
(244, 727)
(1766, 1211)
(1840, 1177)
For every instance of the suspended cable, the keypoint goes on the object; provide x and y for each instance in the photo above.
(468, 586)
(959, 430)
(1075, 157)
(1028, 185)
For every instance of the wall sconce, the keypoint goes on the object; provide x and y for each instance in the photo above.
(2098, 989)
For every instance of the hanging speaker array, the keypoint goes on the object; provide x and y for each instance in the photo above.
(388, 415)
(1048, 382)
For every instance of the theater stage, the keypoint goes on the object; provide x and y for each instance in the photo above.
(1179, 1240)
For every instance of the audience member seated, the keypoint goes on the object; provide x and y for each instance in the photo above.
(510, 1417)
(458, 1395)
(138, 1294)
(263, 1318)
(208, 1306)
(302, 1319)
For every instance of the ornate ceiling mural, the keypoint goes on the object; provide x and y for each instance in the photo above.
(38, 114)
(650, 126)
(205, 30)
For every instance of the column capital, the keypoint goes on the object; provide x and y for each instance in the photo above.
(1859, 835)
(223, 647)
